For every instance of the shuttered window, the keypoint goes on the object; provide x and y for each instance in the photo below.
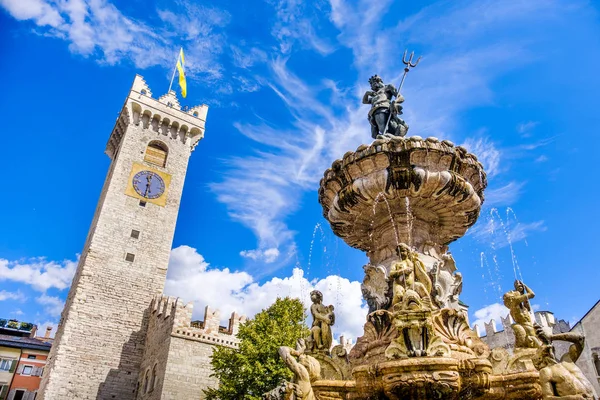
(156, 153)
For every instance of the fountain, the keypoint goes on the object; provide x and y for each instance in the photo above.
(403, 201)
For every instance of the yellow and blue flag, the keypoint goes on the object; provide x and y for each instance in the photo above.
(181, 69)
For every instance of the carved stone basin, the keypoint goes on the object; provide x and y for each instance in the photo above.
(422, 192)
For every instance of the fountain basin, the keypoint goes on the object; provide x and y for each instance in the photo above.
(425, 193)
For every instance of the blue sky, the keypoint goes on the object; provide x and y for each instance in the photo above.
(515, 82)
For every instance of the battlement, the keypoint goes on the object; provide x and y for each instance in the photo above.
(164, 115)
(171, 313)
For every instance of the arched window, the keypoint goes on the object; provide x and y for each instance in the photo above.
(146, 380)
(156, 153)
(153, 381)
(596, 359)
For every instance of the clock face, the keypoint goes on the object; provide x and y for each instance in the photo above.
(148, 184)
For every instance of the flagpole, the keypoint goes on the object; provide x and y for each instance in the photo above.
(174, 69)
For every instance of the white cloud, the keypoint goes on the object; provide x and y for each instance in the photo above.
(268, 255)
(53, 305)
(98, 29)
(4, 295)
(525, 128)
(17, 312)
(505, 195)
(295, 25)
(541, 159)
(490, 312)
(41, 330)
(40, 11)
(39, 273)
(191, 278)
(486, 152)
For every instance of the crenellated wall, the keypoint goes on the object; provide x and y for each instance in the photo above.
(176, 359)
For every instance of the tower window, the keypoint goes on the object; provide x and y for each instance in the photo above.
(142, 203)
(156, 153)
(135, 234)
(129, 257)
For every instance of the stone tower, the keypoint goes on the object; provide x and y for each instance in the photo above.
(100, 340)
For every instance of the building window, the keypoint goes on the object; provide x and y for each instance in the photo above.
(5, 365)
(19, 395)
(3, 390)
(31, 356)
(146, 381)
(129, 257)
(135, 234)
(142, 203)
(153, 381)
(27, 369)
(596, 359)
(156, 153)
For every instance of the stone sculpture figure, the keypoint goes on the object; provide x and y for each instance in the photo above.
(323, 319)
(409, 274)
(447, 283)
(375, 287)
(305, 369)
(517, 301)
(384, 112)
(562, 380)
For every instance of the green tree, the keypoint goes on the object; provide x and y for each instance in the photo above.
(255, 367)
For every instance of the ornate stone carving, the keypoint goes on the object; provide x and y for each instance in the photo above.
(447, 283)
(321, 336)
(410, 283)
(423, 192)
(375, 288)
(517, 301)
(452, 327)
(562, 380)
(416, 334)
(306, 369)
(378, 334)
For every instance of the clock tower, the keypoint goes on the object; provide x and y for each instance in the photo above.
(100, 339)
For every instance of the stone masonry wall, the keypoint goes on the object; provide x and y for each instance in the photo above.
(179, 352)
(100, 339)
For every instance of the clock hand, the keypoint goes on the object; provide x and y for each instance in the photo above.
(149, 179)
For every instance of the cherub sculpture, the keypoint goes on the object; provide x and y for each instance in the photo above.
(384, 112)
(323, 319)
(517, 301)
(562, 380)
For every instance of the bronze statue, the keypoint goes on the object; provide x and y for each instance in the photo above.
(323, 319)
(517, 301)
(409, 273)
(305, 369)
(562, 380)
(384, 112)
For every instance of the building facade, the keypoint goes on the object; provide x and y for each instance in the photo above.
(115, 335)
(22, 362)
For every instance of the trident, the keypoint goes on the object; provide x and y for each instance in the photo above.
(409, 64)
